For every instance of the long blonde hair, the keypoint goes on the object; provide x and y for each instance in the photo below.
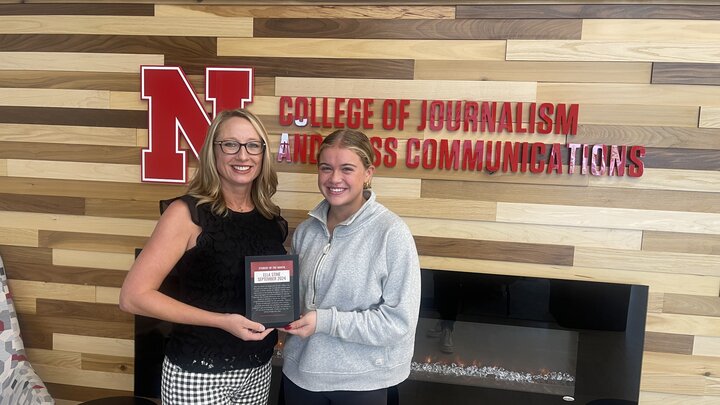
(205, 184)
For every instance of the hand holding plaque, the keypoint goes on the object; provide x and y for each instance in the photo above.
(272, 293)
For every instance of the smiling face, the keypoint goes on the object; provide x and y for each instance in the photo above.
(341, 175)
(242, 168)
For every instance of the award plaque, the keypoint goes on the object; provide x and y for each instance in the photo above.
(272, 293)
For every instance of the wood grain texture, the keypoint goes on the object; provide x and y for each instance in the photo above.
(317, 11)
(93, 259)
(64, 274)
(67, 135)
(681, 242)
(689, 159)
(639, 115)
(82, 310)
(663, 398)
(706, 346)
(686, 73)
(77, 117)
(73, 393)
(691, 305)
(501, 251)
(645, 30)
(404, 89)
(42, 203)
(122, 208)
(13, 255)
(76, 61)
(710, 116)
(302, 67)
(576, 72)
(18, 237)
(658, 137)
(664, 262)
(109, 363)
(416, 29)
(69, 80)
(571, 195)
(54, 357)
(363, 49)
(617, 218)
(613, 51)
(643, 94)
(664, 179)
(127, 25)
(90, 189)
(87, 378)
(668, 343)
(596, 11)
(74, 223)
(55, 98)
(137, 45)
(93, 345)
(525, 233)
(74, 170)
(657, 282)
(76, 9)
(683, 324)
(69, 153)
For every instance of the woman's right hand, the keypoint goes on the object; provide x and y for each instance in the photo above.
(244, 328)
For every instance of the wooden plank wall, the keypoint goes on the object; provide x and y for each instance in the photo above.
(72, 125)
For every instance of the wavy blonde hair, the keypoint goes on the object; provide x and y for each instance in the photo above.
(205, 184)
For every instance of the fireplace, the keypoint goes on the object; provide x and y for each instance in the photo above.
(493, 339)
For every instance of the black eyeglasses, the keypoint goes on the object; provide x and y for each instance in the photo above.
(233, 147)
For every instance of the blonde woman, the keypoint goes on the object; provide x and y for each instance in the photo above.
(215, 355)
(360, 286)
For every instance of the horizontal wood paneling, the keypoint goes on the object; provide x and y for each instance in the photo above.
(76, 61)
(42, 203)
(318, 11)
(573, 195)
(597, 11)
(681, 242)
(302, 67)
(66, 135)
(76, 9)
(576, 72)
(488, 250)
(403, 89)
(643, 30)
(69, 80)
(73, 124)
(363, 49)
(613, 51)
(130, 25)
(414, 29)
(70, 116)
(71, 153)
(668, 343)
(686, 73)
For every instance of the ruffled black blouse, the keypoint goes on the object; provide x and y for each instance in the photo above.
(211, 276)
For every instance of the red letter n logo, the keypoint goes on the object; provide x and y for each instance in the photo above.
(174, 110)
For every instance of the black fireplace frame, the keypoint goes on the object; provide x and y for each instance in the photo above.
(608, 317)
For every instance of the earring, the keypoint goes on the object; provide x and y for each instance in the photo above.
(366, 185)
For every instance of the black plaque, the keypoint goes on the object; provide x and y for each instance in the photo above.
(272, 293)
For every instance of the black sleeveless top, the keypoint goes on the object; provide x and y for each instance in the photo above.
(211, 276)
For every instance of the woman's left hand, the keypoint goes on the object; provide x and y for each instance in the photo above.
(303, 327)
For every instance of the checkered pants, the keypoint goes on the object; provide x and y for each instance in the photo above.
(245, 386)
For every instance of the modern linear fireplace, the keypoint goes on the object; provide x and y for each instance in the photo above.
(493, 339)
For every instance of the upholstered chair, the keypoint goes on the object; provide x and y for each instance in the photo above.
(19, 384)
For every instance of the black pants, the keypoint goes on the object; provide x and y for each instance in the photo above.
(295, 395)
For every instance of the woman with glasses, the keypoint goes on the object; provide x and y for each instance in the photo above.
(215, 355)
